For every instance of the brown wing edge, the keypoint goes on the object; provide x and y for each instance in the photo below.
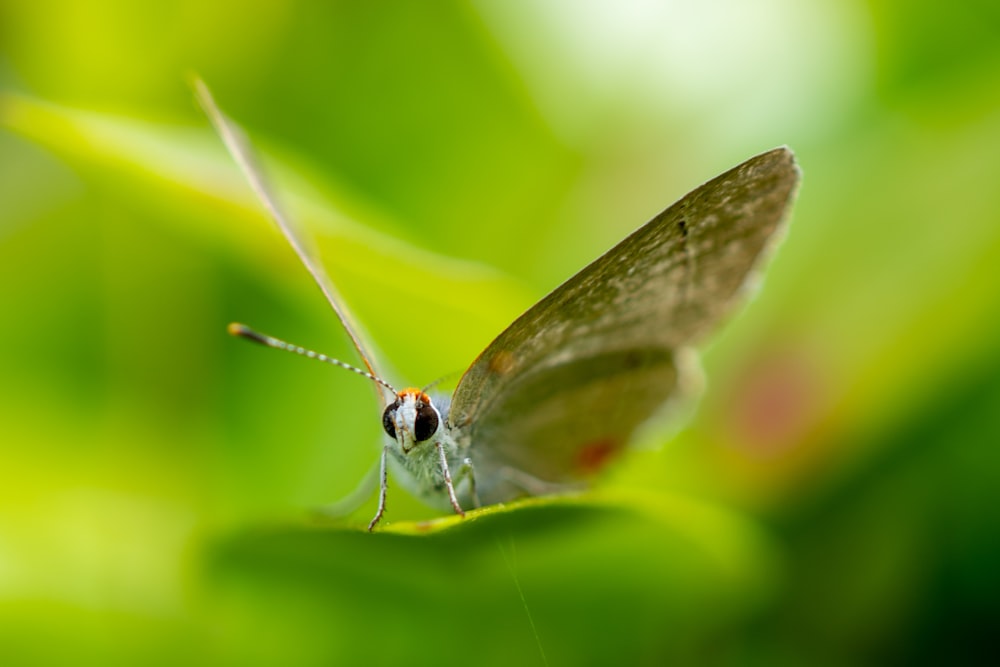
(754, 280)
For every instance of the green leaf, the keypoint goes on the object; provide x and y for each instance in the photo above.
(504, 586)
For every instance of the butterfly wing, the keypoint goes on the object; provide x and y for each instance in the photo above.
(242, 153)
(564, 387)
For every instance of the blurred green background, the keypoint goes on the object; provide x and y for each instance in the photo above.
(834, 500)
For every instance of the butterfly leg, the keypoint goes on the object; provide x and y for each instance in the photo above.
(534, 486)
(443, 458)
(383, 485)
(467, 471)
(354, 499)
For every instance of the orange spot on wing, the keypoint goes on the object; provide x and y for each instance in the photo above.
(502, 363)
(593, 456)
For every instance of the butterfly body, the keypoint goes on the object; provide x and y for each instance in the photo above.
(420, 472)
(423, 454)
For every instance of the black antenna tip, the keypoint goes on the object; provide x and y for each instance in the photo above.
(243, 331)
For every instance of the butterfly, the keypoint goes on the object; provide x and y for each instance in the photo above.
(560, 392)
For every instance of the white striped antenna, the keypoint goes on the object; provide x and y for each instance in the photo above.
(243, 331)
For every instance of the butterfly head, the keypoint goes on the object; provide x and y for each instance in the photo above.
(411, 419)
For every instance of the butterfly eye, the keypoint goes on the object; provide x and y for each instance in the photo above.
(426, 423)
(389, 419)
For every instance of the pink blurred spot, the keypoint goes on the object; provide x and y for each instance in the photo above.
(775, 402)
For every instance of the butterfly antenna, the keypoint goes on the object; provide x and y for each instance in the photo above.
(243, 331)
(239, 147)
(441, 379)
